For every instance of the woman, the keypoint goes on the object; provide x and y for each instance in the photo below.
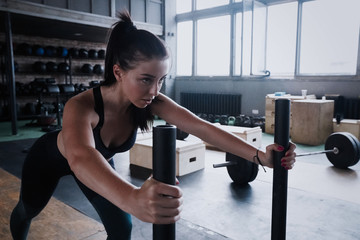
(103, 121)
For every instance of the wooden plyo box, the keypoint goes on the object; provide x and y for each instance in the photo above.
(270, 109)
(143, 135)
(190, 155)
(251, 135)
(312, 121)
(348, 125)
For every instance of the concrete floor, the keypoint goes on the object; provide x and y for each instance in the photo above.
(323, 202)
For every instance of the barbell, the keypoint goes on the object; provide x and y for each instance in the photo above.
(342, 149)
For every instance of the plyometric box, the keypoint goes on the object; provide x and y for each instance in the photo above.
(270, 109)
(311, 121)
(348, 125)
(190, 155)
(251, 135)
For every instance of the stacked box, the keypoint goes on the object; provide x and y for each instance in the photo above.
(348, 125)
(270, 109)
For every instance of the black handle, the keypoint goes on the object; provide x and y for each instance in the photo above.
(280, 177)
(164, 170)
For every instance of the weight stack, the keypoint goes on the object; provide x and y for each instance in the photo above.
(164, 170)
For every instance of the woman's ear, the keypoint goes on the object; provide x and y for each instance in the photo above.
(118, 72)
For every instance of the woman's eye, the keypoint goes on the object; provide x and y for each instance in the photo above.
(162, 80)
(146, 80)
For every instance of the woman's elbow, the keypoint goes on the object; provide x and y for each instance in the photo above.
(76, 159)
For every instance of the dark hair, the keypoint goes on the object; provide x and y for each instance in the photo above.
(127, 46)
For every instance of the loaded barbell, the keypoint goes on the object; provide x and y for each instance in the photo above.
(342, 149)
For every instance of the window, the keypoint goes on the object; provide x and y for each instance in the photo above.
(329, 37)
(247, 43)
(202, 4)
(281, 38)
(183, 6)
(213, 46)
(238, 48)
(288, 38)
(184, 49)
(258, 38)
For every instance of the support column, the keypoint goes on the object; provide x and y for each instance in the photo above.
(10, 73)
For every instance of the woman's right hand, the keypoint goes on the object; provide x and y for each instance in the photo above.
(157, 202)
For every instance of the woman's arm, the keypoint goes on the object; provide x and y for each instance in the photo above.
(174, 114)
(93, 170)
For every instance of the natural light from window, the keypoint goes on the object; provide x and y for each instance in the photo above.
(213, 46)
(184, 46)
(238, 26)
(202, 4)
(329, 35)
(281, 39)
(183, 6)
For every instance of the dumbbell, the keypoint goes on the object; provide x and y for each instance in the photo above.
(342, 149)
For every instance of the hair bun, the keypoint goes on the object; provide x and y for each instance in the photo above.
(129, 27)
(126, 21)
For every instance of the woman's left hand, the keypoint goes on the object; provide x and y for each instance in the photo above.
(287, 161)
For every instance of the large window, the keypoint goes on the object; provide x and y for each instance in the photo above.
(329, 37)
(238, 43)
(250, 38)
(184, 57)
(281, 38)
(183, 6)
(213, 46)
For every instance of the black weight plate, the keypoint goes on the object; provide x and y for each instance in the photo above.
(356, 145)
(347, 155)
(358, 148)
(181, 135)
(243, 172)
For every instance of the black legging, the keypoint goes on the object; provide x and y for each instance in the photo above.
(43, 167)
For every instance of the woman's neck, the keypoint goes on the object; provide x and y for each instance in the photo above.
(114, 99)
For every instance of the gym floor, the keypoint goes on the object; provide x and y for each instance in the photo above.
(323, 201)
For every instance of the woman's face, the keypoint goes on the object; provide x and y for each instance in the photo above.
(143, 83)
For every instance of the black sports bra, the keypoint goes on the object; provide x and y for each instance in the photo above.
(99, 144)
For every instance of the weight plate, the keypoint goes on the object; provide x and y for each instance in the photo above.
(243, 172)
(356, 145)
(348, 153)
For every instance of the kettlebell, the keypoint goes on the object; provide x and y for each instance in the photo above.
(231, 120)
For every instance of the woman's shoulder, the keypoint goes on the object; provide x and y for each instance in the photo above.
(163, 104)
(83, 101)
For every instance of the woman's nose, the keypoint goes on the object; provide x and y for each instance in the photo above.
(154, 90)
